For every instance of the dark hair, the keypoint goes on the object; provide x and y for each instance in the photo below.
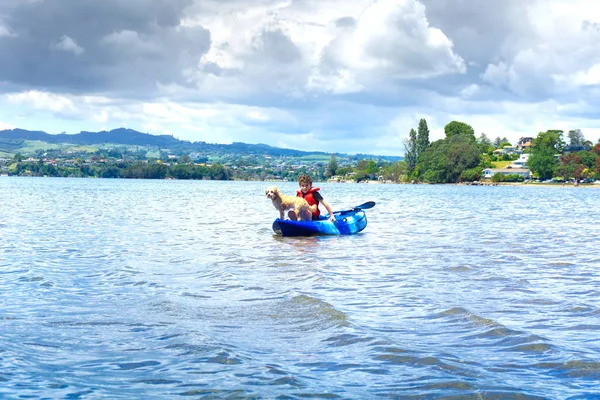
(304, 179)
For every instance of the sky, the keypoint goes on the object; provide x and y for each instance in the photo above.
(341, 76)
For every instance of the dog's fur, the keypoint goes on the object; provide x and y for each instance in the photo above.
(284, 203)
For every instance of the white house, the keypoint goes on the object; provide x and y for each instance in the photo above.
(521, 162)
(489, 172)
(508, 150)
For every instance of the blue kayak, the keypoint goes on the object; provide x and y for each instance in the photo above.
(347, 222)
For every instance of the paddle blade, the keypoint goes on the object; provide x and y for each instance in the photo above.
(367, 205)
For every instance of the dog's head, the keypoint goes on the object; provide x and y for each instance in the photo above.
(272, 192)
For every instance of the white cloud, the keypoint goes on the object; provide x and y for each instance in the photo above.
(4, 125)
(591, 76)
(68, 44)
(42, 101)
(4, 31)
(390, 40)
(470, 91)
(556, 50)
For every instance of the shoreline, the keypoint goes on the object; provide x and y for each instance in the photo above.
(528, 184)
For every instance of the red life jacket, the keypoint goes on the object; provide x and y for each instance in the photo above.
(310, 199)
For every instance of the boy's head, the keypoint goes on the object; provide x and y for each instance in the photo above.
(305, 183)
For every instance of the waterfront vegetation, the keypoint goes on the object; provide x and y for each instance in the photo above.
(459, 157)
(462, 157)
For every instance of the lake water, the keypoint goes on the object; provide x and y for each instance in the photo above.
(124, 289)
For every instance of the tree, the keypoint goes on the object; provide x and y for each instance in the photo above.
(456, 128)
(184, 159)
(543, 161)
(576, 137)
(498, 141)
(422, 137)
(551, 138)
(484, 143)
(332, 167)
(504, 144)
(446, 159)
(372, 168)
(411, 154)
(361, 165)
(568, 166)
(463, 154)
(394, 171)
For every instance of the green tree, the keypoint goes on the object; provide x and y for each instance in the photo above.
(470, 175)
(542, 160)
(484, 143)
(588, 158)
(184, 159)
(422, 137)
(498, 141)
(332, 167)
(411, 154)
(372, 168)
(361, 165)
(551, 138)
(446, 159)
(394, 171)
(457, 128)
(576, 137)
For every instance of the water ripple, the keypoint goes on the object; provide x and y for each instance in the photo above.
(164, 289)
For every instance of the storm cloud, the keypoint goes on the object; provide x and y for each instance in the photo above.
(76, 47)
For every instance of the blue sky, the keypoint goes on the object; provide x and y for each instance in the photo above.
(350, 76)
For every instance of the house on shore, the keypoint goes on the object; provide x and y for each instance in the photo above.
(489, 172)
(524, 143)
(521, 162)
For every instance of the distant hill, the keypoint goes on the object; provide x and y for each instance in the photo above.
(130, 137)
(117, 136)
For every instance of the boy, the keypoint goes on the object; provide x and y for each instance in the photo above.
(313, 198)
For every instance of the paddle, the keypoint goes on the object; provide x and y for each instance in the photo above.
(364, 206)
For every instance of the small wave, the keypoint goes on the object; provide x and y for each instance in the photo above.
(347, 339)
(573, 368)
(306, 313)
(460, 313)
(502, 336)
(158, 382)
(137, 365)
(224, 357)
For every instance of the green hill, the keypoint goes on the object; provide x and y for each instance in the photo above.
(27, 143)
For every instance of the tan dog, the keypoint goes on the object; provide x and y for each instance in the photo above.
(284, 203)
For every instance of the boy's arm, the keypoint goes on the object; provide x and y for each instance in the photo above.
(329, 210)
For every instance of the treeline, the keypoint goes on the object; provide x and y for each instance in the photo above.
(551, 157)
(133, 170)
(457, 157)
(461, 157)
